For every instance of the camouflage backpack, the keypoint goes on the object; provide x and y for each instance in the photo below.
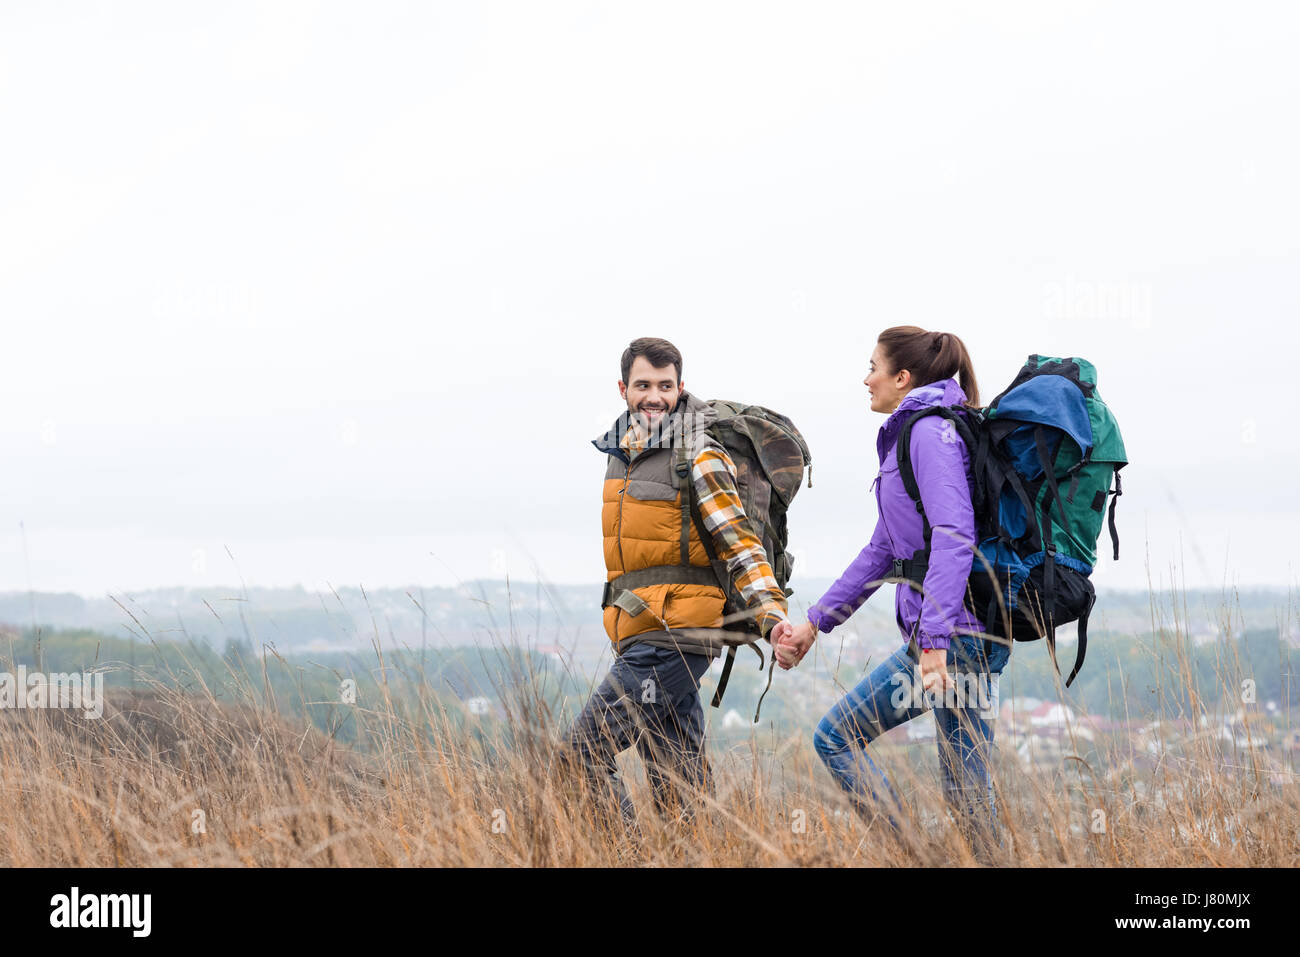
(770, 456)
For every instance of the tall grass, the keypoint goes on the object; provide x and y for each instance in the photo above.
(180, 773)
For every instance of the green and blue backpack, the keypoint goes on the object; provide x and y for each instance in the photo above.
(1045, 455)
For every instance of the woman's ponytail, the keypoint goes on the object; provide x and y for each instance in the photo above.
(930, 356)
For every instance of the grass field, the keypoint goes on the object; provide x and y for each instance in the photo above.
(176, 774)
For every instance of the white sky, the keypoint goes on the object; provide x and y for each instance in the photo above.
(342, 288)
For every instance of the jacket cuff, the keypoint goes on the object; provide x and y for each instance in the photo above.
(769, 620)
(818, 619)
(933, 642)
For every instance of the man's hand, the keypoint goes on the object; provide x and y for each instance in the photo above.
(933, 672)
(791, 642)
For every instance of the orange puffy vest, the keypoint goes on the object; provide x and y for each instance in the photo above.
(641, 522)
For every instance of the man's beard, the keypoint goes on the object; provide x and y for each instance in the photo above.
(648, 425)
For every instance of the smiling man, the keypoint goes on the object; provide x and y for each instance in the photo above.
(662, 604)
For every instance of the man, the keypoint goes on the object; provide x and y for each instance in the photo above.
(663, 606)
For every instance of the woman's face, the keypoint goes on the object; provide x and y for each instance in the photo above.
(886, 389)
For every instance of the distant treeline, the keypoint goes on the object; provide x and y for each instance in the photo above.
(470, 686)
(1125, 676)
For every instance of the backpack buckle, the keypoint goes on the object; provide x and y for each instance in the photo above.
(899, 570)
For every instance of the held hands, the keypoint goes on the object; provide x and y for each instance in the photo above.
(791, 642)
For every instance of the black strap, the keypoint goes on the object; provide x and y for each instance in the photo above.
(1083, 640)
(1053, 494)
(770, 668)
(903, 455)
(1114, 535)
(911, 570)
(1048, 462)
(1049, 554)
(726, 676)
(1031, 520)
(980, 494)
(997, 482)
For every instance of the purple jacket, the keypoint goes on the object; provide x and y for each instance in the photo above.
(941, 463)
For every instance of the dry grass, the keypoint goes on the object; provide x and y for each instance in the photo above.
(124, 790)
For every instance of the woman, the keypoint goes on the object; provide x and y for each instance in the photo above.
(910, 370)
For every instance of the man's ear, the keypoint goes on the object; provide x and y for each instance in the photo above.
(622, 388)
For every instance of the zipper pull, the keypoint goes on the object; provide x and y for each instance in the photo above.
(810, 473)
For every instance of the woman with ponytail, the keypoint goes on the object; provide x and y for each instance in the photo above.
(912, 369)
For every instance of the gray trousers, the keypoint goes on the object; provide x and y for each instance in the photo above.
(649, 699)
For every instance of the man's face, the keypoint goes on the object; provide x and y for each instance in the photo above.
(650, 391)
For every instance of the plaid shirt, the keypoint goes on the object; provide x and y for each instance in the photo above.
(734, 541)
(714, 477)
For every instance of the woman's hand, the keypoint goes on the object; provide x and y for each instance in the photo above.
(933, 671)
(791, 642)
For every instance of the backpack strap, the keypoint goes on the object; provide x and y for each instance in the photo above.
(1048, 462)
(1114, 535)
(1003, 474)
(1073, 474)
(682, 476)
(982, 500)
(1053, 494)
(920, 560)
(725, 677)
(1083, 640)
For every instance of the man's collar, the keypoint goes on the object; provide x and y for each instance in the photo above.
(632, 433)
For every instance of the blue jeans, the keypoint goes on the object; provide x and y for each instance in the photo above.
(888, 697)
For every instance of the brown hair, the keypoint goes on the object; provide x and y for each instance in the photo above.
(659, 353)
(930, 356)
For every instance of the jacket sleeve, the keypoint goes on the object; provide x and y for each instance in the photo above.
(938, 460)
(734, 539)
(856, 585)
